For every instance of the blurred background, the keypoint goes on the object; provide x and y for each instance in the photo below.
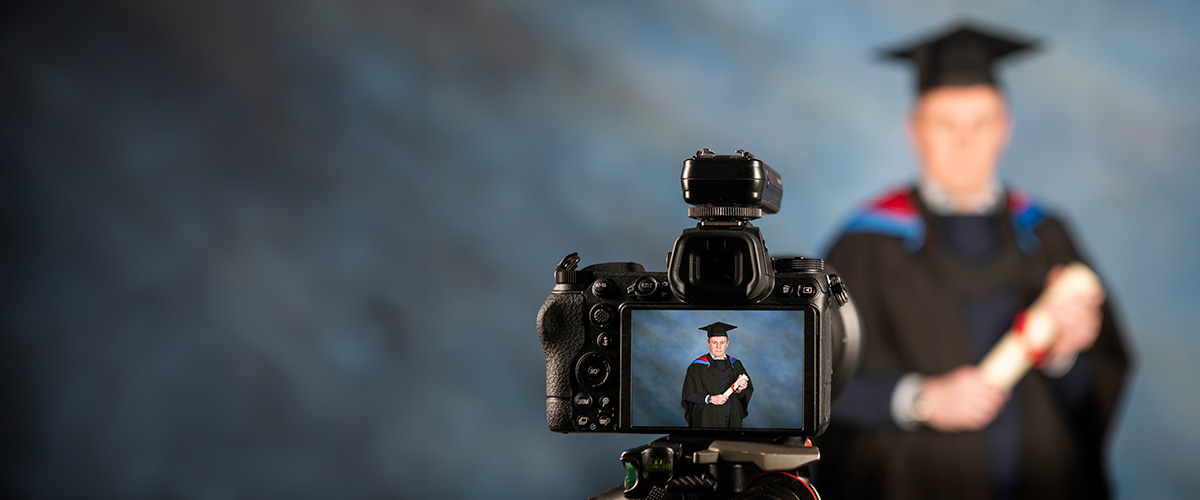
(296, 250)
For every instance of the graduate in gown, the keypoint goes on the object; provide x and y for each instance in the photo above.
(707, 379)
(939, 270)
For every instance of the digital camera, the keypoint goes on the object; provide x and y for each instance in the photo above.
(629, 350)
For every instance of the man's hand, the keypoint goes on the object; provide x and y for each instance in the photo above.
(961, 400)
(718, 399)
(741, 384)
(1077, 318)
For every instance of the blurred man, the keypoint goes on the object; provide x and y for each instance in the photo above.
(705, 402)
(939, 271)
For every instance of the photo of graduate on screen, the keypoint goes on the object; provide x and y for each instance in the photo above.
(665, 373)
(716, 389)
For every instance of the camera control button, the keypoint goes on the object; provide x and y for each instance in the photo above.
(592, 370)
(602, 314)
(604, 420)
(583, 400)
(602, 287)
(645, 286)
(605, 402)
(583, 421)
(806, 289)
(604, 341)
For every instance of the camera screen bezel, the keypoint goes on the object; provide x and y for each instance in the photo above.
(812, 390)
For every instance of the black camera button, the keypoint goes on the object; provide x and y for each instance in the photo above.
(592, 370)
(602, 314)
(604, 420)
(583, 400)
(583, 421)
(605, 402)
(604, 341)
(602, 287)
(645, 286)
(806, 289)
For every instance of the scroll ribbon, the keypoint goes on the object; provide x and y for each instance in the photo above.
(730, 390)
(1033, 332)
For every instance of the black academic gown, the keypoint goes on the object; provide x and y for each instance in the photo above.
(915, 321)
(705, 379)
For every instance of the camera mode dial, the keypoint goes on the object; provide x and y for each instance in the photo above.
(798, 265)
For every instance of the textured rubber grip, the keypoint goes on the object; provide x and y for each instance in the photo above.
(561, 329)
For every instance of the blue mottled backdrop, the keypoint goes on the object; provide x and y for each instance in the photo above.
(296, 250)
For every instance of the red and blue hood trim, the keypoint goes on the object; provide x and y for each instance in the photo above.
(896, 214)
(703, 360)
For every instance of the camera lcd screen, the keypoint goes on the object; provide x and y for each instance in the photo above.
(670, 361)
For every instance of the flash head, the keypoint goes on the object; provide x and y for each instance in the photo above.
(736, 186)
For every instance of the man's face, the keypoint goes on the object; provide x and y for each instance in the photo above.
(960, 133)
(717, 345)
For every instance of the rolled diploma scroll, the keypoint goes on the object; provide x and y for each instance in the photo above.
(1031, 336)
(739, 379)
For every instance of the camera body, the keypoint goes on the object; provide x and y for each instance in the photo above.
(588, 328)
(618, 339)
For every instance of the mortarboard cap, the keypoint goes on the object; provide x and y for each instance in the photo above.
(963, 55)
(718, 329)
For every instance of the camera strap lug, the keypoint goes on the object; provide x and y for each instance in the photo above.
(838, 288)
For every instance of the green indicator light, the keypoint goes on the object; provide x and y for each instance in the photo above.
(658, 464)
(630, 476)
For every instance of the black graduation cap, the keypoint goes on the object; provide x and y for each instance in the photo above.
(718, 329)
(963, 55)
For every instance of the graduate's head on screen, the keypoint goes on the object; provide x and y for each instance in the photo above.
(717, 345)
(718, 338)
(960, 124)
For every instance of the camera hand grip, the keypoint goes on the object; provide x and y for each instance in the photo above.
(560, 328)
